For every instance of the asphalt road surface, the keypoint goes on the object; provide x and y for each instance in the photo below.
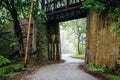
(62, 71)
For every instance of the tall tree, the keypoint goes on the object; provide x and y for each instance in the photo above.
(76, 28)
(12, 11)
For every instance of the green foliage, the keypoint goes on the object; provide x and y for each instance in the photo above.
(110, 69)
(1, 39)
(10, 70)
(116, 15)
(93, 5)
(38, 13)
(113, 77)
(7, 69)
(95, 67)
(4, 61)
(42, 16)
(9, 9)
(79, 56)
(23, 10)
(117, 27)
(76, 31)
(109, 7)
(9, 43)
(13, 44)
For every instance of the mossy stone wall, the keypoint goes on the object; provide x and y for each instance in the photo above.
(42, 38)
(102, 43)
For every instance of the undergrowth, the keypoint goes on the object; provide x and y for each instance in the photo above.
(82, 56)
(95, 67)
(112, 73)
(7, 68)
(114, 77)
(4, 61)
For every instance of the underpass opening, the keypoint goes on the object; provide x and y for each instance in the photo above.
(73, 38)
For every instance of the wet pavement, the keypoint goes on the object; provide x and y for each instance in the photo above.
(62, 71)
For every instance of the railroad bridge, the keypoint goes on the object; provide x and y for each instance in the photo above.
(62, 10)
(98, 47)
(57, 11)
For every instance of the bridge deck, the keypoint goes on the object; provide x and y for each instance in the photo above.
(63, 10)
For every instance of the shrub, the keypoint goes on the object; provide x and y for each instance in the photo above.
(95, 67)
(10, 70)
(113, 77)
(4, 61)
(7, 69)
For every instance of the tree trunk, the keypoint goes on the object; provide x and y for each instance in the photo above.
(18, 34)
(82, 43)
(17, 28)
(78, 44)
(28, 35)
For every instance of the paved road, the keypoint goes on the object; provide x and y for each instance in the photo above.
(62, 71)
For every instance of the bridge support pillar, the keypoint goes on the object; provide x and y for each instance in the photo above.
(54, 50)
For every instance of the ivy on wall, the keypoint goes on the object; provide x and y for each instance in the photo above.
(93, 5)
(111, 7)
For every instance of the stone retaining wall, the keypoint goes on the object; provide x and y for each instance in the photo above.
(42, 38)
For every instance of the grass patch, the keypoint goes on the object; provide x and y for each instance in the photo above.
(110, 73)
(114, 77)
(81, 56)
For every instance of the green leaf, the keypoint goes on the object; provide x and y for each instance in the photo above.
(4, 61)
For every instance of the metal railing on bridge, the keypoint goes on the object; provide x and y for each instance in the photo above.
(52, 5)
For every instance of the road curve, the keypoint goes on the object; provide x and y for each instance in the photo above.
(62, 71)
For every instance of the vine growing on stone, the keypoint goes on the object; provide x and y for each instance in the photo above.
(111, 7)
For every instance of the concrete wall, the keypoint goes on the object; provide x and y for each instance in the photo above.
(102, 44)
